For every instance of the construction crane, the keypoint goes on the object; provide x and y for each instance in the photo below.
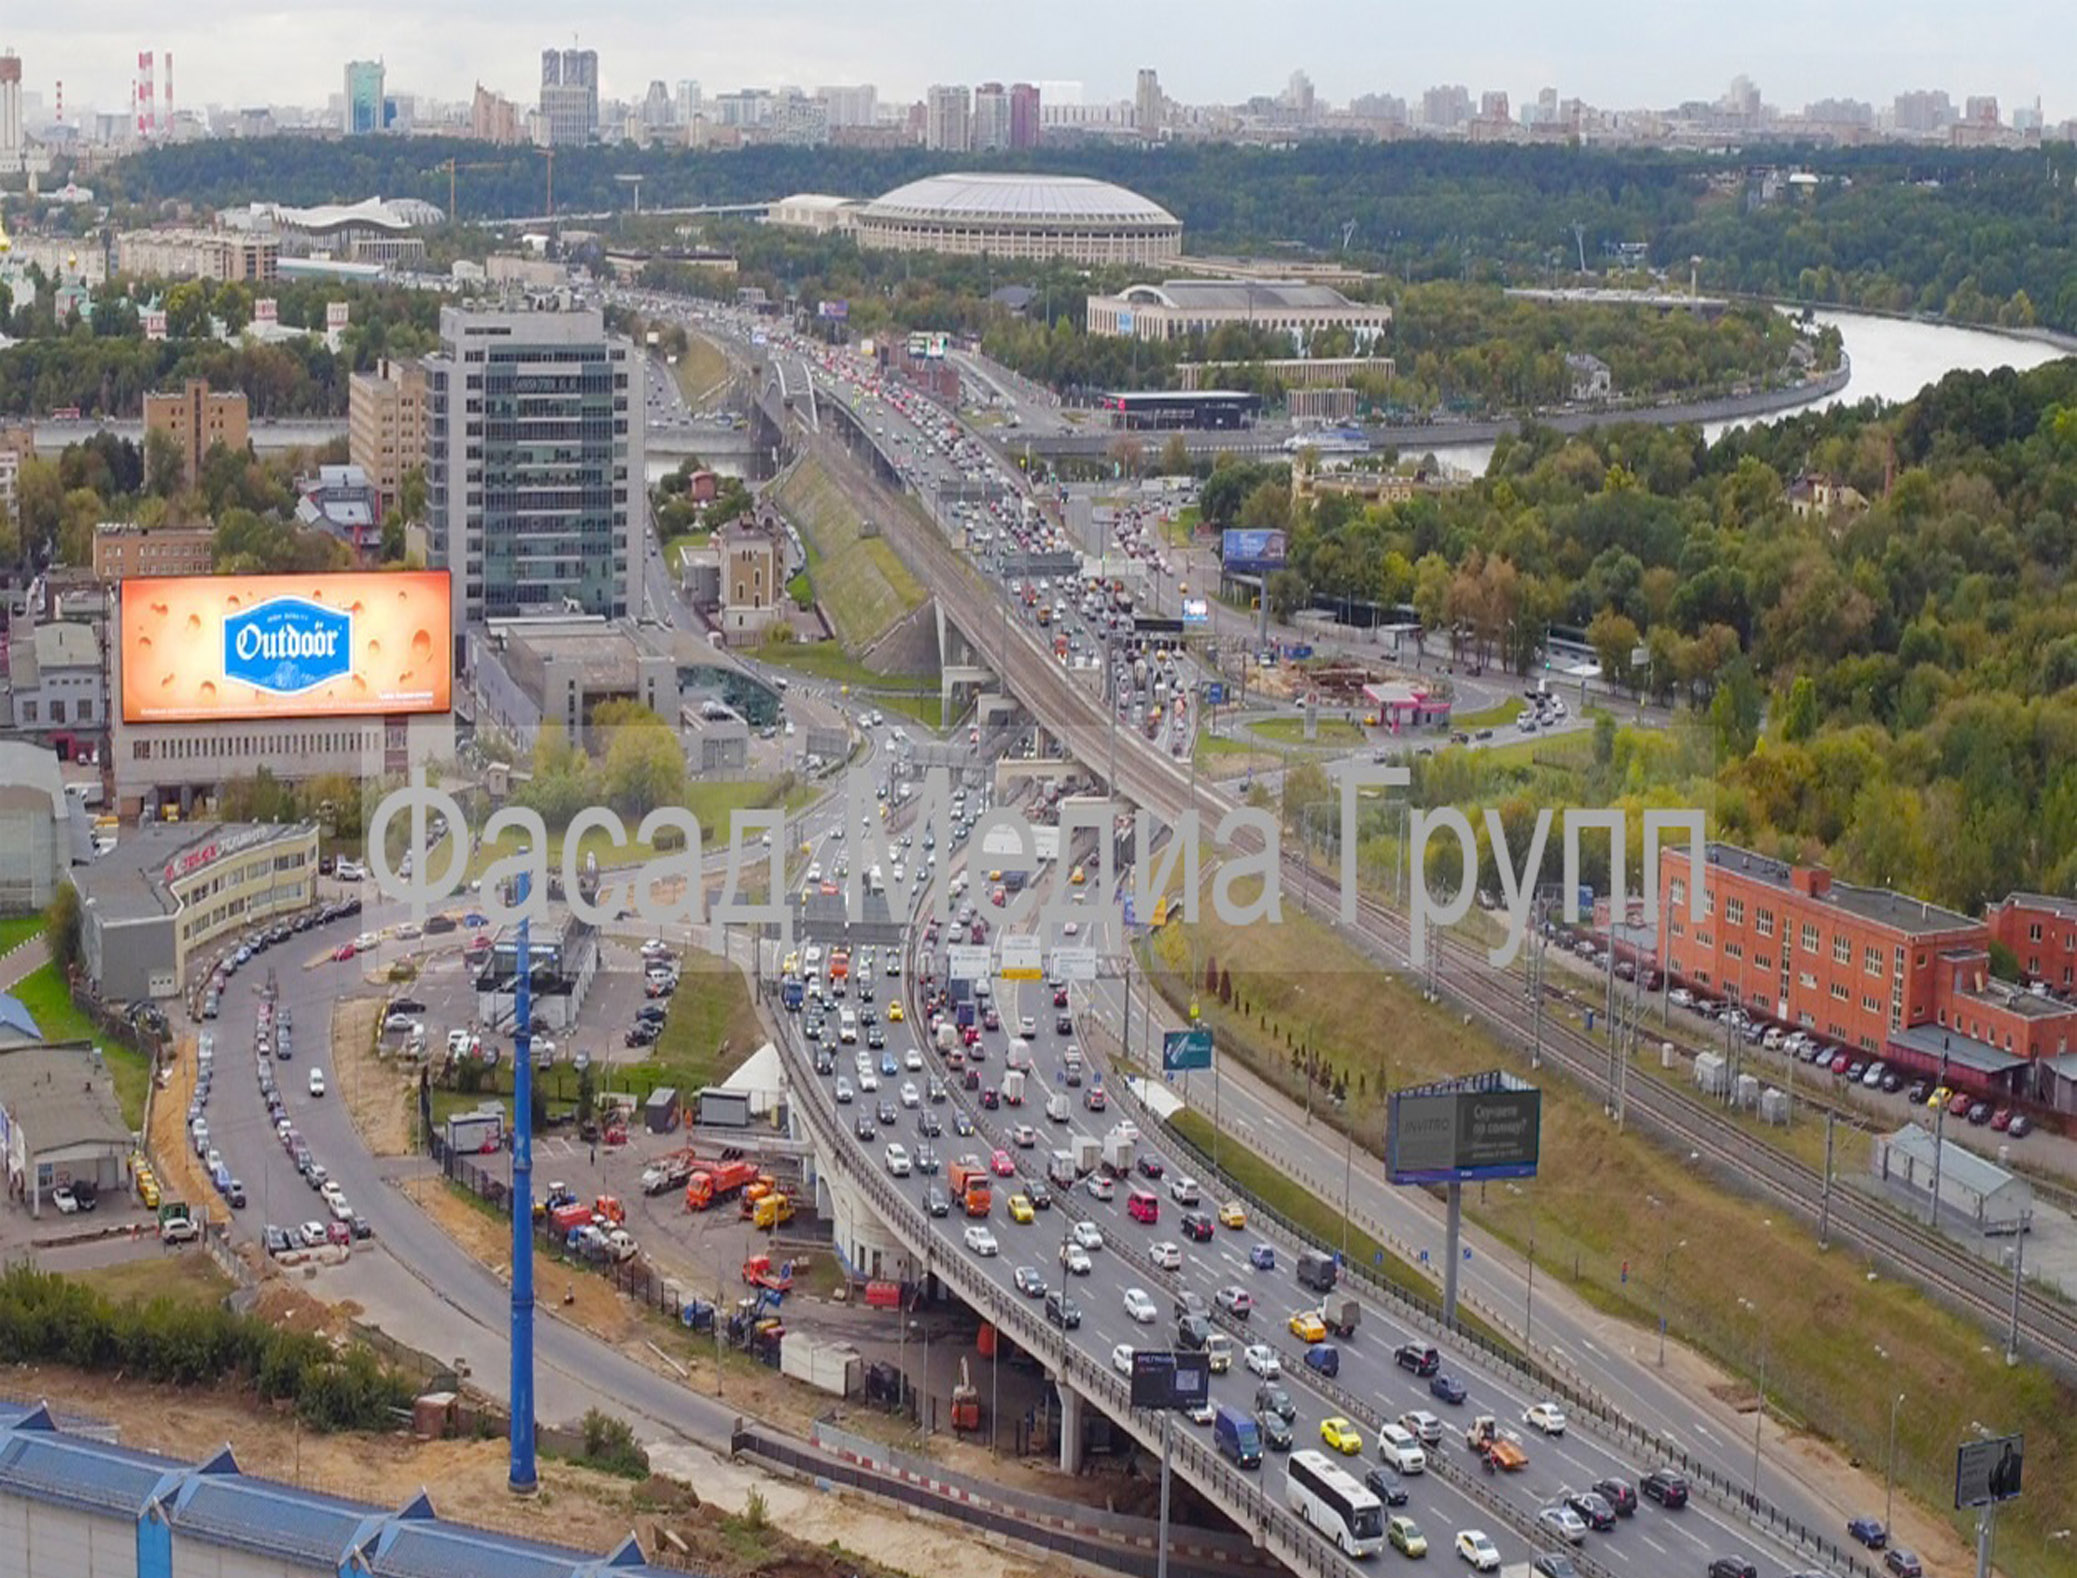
(450, 166)
(549, 155)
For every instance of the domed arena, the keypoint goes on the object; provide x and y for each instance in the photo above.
(1021, 216)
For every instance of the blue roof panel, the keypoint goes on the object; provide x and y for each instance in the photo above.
(48, 1467)
(276, 1519)
(423, 1550)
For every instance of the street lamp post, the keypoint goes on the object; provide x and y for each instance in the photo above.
(1665, 1273)
(1889, 1473)
(1759, 1419)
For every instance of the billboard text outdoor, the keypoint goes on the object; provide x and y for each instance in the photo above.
(1252, 552)
(216, 648)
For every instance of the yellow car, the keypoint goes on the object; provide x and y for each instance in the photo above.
(148, 1192)
(1344, 1437)
(1307, 1326)
(1020, 1208)
(894, 1014)
(1231, 1214)
(1406, 1536)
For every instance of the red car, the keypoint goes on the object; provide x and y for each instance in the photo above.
(1959, 1105)
(1002, 1165)
(343, 952)
(1059, 997)
(2001, 1119)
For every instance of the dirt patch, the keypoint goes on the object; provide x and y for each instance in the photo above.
(377, 1089)
(172, 1155)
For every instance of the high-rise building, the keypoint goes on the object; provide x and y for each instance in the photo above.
(656, 105)
(1493, 107)
(535, 475)
(386, 426)
(851, 106)
(991, 130)
(363, 112)
(948, 121)
(569, 96)
(13, 143)
(198, 418)
(686, 101)
(1149, 104)
(1923, 113)
(1980, 109)
(1445, 108)
(1025, 111)
(1298, 96)
(494, 118)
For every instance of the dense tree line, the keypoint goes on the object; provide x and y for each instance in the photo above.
(103, 364)
(1892, 683)
(1980, 235)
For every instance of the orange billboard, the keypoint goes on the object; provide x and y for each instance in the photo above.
(214, 648)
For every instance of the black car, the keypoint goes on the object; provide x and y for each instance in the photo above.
(358, 1226)
(1903, 1563)
(1150, 1167)
(1592, 1508)
(1063, 1311)
(1447, 1387)
(1197, 1227)
(1665, 1487)
(650, 1014)
(1619, 1494)
(1029, 1282)
(1273, 1399)
(886, 1113)
(1386, 1485)
(1554, 1564)
(865, 1129)
(936, 1202)
(1039, 1195)
(234, 1195)
(1417, 1357)
(1064, 1024)
(928, 1124)
(84, 1195)
(1276, 1431)
(1732, 1567)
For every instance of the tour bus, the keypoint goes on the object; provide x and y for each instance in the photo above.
(1334, 1502)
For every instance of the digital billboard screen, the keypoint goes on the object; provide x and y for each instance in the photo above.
(1173, 1379)
(1463, 1135)
(1245, 552)
(220, 648)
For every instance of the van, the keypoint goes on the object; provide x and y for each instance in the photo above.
(847, 1026)
(1192, 1333)
(1143, 1205)
(1056, 1108)
(1218, 1348)
(1324, 1359)
(1316, 1270)
(1237, 1436)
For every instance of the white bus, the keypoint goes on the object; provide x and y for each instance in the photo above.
(1334, 1501)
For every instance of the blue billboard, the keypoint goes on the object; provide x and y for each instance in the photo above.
(1186, 1049)
(1252, 552)
(836, 308)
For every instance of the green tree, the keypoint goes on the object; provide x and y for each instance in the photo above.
(165, 463)
(1614, 638)
(645, 765)
(1734, 711)
(1799, 715)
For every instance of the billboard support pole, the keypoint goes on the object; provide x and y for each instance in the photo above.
(523, 1477)
(1984, 1526)
(1161, 1562)
(1452, 1253)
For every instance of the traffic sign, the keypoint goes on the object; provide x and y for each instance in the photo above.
(1186, 1049)
(1075, 964)
(967, 964)
(1214, 693)
(1022, 959)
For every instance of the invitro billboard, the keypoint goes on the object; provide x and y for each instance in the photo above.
(1464, 1130)
(215, 648)
(1248, 552)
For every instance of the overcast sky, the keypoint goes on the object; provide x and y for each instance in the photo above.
(1617, 53)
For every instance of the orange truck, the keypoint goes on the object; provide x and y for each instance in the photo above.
(839, 964)
(718, 1181)
(971, 1186)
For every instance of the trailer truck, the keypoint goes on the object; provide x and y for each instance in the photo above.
(717, 1181)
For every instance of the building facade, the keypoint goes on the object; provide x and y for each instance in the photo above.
(199, 254)
(122, 550)
(362, 114)
(569, 97)
(196, 418)
(2041, 931)
(948, 118)
(991, 121)
(60, 1124)
(386, 425)
(495, 118)
(752, 580)
(1025, 115)
(535, 463)
(56, 679)
(36, 827)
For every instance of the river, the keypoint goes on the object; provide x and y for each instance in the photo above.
(1893, 359)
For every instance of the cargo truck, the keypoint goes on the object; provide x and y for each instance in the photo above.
(1117, 1154)
(717, 1181)
(1060, 1169)
(1013, 1087)
(1316, 1270)
(668, 1172)
(1340, 1313)
(971, 1186)
(1088, 1152)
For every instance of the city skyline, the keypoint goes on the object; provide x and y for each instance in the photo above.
(289, 57)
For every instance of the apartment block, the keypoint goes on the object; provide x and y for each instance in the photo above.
(198, 417)
(386, 425)
(199, 254)
(123, 549)
(535, 445)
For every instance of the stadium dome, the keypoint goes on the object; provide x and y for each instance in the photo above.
(1021, 216)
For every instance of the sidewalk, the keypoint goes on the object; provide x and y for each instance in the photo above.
(24, 960)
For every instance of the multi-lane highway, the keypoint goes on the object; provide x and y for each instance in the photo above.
(1029, 1262)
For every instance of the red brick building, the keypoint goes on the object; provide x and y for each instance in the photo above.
(2041, 931)
(1872, 970)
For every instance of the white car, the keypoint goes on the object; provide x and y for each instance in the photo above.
(1166, 1254)
(64, 1199)
(1076, 1259)
(1475, 1548)
(1140, 1307)
(1423, 1426)
(981, 1241)
(1262, 1359)
(331, 1192)
(317, 1082)
(1102, 1188)
(898, 1160)
(1087, 1235)
(367, 942)
(1121, 1358)
(910, 1095)
(341, 1211)
(1547, 1417)
(912, 1060)
(1562, 1521)
(1401, 1450)
(313, 1235)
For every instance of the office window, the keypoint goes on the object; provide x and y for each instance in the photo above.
(1871, 961)
(1763, 922)
(1809, 937)
(1734, 912)
(1842, 948)
(1839, 993)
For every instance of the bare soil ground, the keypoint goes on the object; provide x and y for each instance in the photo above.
(377, 1090)
(172, 1156)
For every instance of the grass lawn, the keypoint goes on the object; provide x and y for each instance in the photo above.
(1565, 753)
(18, 929)
(1183, 528)
(1501, 713)
(701, 370)
(684, 539)
(860, 580)
(190, 1280)
(1620, 1219)
(912, 695)
(42, 992)
(1329, 731)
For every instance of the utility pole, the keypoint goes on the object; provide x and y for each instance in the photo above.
(1889, 1489)
(2019, 1253)
(1161, 1542)
(523, 1478)
(1824, 1210)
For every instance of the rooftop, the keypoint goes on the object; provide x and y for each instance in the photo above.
(1245, 295)
(27, 766)
(1913, 917)
(15, 1017)
(2052, 903)
(63, 1095)
(1958, 1164)
(1936, 1042)
(1029, 199)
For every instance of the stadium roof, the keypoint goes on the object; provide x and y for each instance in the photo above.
(1238, 295)
(1019, 199)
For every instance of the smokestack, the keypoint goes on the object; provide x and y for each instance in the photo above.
(61, 102)
(169, 90)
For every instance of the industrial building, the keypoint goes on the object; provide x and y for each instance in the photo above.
(1179, 308)
(40, 832)
(60, 1124)
(55, 679)
(122, 1513)
(535, 463)
(154, 905)
(1974, 1192)
(1020, 216)
(527, 672)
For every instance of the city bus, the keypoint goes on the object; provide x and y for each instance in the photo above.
(1334, 1501)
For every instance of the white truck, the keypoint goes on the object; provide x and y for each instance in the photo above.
(1056, 1108)
(1013, 1087)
